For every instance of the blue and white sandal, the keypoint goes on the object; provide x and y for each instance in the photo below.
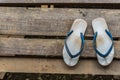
(103, 42)
(74, 42)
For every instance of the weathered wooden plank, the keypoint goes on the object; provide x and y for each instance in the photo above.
(53, 22)
(44, 47)
(35, 65)
(59, 1)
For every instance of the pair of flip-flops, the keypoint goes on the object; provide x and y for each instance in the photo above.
(102, 42)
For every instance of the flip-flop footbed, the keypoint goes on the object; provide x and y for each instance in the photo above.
(74, 42)
(103, 41)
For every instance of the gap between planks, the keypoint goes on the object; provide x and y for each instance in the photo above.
(64, 5)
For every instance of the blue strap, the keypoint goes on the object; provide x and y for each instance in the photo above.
(94, 44)
(82, 45)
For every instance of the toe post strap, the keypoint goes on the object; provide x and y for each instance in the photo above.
(94, 44)
(82, 45)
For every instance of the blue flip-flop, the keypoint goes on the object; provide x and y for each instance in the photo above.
(102, 42)
(74, 42)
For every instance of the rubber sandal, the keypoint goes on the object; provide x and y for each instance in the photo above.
(103, 42)
(74, 42)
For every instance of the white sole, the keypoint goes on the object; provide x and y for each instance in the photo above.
(103, 42)
(74, 42)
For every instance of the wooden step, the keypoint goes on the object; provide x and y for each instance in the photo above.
(57, 66)
(59, 1)
(50, 48)
(53, 22)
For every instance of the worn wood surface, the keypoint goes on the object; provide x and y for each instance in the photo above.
(53, 22)
(59, 1)
(37, 65)
(44, 47)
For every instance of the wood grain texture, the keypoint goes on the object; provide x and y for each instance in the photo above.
(59, 1)
(44, 47)
(35, 65)
(53, 22)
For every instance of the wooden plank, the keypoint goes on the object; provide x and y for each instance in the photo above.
(35, 65)
(53, 22)
(60, 1)
(44, 47)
